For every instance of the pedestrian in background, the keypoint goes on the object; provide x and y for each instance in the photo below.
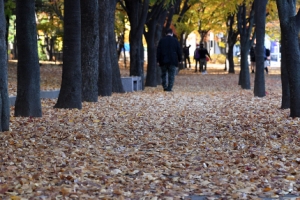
(267, 59)
(168, 56)
(252, 58)
(186, 54)
(204, 55)
(197, 57)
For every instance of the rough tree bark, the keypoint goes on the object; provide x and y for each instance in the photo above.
(155, 16)
(105, 69)
(290, 26)
(89, 50)
(4, 101)
(232, 37)
(28, 102)
(70, 91)
(285, 98)
(245, 25)
(137, 13)
(117, 85)
(260, 21)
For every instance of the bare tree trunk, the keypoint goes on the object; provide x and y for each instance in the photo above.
(4, 101)
(155, 19)
(290, 26)
(28, 102)
(105, 69)
(117, 85)
(90, 49)
(245, 25)
(232, 37)
(285, 99)
(260, 21)
(70, 92)
(137, 13)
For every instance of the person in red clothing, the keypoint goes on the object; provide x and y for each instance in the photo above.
(203, 54)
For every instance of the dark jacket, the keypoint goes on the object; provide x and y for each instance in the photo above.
(186, 51)
(168, 51)
(202, 53)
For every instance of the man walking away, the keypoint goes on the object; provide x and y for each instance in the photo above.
(186, 54)
(203, 53)
(168, 56)
(197, 57)
(252, 58)
(267, 60)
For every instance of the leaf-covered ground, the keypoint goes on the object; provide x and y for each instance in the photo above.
(208, 137)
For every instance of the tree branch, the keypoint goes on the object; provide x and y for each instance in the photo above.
(123, 6)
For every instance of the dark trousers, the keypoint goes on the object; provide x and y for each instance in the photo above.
(203, 64)
(187, 60)
(168, 71)
(197, 62)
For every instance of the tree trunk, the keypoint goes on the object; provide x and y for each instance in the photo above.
(285, 99)
(290, 25)
(4, 101)
(15, 48)
(105, 69)
(245, 25)
(155, 19)
(260, 21)
(137, 13)
(28, 102)
(175, 8)
(49, 47)
(244, 73)
(232, 37)
(7, 19)
(89, 50)
(230, 59)
(117, 85)
(121, 46)
(70, 92)
(135, 44)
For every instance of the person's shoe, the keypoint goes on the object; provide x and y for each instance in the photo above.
(195, 71)
(204, 72)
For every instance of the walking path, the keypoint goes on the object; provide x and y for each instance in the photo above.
(211, 67)
(220, 69)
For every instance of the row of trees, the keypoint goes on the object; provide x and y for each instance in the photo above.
(90, 60)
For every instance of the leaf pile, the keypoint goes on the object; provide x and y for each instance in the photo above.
(208, 137)
(50, 78)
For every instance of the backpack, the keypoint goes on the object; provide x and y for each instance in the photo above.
(196, 54)
(268, 52)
